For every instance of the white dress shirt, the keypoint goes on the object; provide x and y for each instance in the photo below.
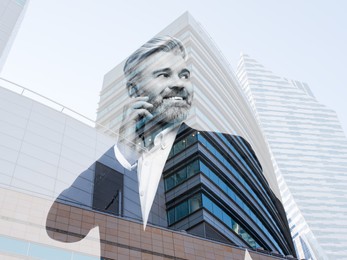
(150, 167)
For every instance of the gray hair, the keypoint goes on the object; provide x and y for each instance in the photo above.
(162, 43)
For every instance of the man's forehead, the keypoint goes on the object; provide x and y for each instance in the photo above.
(162, 59)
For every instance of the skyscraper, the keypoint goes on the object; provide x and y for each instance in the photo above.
(204, 167)
(309, 153)
(11, 15)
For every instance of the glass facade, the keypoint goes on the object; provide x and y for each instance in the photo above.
(184, 208)
(228, 221)
(229, 171)
(199, 201)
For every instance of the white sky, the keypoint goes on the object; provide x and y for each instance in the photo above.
(64, 48)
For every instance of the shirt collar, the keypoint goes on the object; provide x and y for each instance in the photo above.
(162, 139)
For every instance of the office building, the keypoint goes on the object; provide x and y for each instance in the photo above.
(11, 16)
(204, 167)
(309, 153)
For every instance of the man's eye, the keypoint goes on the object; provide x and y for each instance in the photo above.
(164, 75)
(185, 75)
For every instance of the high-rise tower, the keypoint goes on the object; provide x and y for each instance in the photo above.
(309, 153)
(11, 16)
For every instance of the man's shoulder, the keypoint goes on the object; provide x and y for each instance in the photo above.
(110, 160)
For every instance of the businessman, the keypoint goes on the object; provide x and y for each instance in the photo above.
(160, 97)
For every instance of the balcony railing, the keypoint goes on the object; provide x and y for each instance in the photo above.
(23, 91)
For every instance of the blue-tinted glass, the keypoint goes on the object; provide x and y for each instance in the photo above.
(171, 153)
(179, 146)
(214, 177)
(207, 203)
(44, 252)
(233, 223)
(181, 175)
(192, 168)
(204, 168)
(11, 245)
(191, 139)
(217, 211)
(170, 182)
(227, 219)
(181, 210)
(231, 193)
(237, 200)
(171, 216)
(195, 203)
(248, 211)
(222, 185)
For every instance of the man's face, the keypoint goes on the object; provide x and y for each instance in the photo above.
(165, 79)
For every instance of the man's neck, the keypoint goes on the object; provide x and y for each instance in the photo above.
(147, 135)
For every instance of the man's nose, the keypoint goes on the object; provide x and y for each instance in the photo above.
(176, 87)
(177, 83)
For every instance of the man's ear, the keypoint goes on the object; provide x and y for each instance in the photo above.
(132, 89)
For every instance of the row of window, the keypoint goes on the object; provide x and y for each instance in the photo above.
(223, 186)
(249, 154)
(183, 209)
(227, 220)
(181, 175)
(200, 200)
(223, 160)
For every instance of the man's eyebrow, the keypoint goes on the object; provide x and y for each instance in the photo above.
(165, 70)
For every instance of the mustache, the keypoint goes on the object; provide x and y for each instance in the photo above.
(183, 93)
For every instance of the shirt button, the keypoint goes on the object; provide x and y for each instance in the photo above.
(141, 193)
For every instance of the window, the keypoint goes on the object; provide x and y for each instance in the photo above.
(179, 146)
(185, 208)
(191, 139)
(193, 168)
(182, 174)
(228, 221)
(108, 190)
(182, 144)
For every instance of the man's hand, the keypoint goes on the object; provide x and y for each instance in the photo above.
(135, 114)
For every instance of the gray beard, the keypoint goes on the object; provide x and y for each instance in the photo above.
(170, 113)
